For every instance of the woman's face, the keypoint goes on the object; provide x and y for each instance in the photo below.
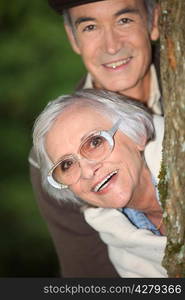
(109, 183)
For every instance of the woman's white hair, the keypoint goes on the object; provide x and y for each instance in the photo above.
(136, 123)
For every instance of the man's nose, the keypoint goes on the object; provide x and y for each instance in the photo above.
(112, 42)
(89, 168)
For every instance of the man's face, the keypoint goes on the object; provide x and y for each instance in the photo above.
(112, 182)
(113, 39)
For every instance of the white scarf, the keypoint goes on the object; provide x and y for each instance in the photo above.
(133, 252)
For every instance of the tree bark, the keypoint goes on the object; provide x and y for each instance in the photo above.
(172, 176)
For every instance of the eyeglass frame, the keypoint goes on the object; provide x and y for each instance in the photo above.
(107, 134)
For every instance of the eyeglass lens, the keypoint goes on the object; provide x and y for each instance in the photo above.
(95, 148)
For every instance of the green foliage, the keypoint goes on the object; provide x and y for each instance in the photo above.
(37, 65)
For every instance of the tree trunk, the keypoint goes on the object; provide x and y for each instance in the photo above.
(172, 177)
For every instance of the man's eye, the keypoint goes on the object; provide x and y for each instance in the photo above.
(89, 28)
(66, 165)
(125, 21)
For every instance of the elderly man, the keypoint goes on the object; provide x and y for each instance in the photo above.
(113, 38)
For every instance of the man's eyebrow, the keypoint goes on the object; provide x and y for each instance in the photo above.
(127, 10)
(80, 20)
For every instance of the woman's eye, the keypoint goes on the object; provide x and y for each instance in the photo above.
(96, 141)
(66, 164)
(89, 28)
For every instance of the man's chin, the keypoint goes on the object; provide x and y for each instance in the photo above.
(115, 86)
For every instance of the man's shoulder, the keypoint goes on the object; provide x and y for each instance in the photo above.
(81, 83)
(32, 158)
(159, 125)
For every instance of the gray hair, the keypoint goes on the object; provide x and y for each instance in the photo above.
(137, 124)
(149, 5)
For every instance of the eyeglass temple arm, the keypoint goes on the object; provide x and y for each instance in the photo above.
(115, 127)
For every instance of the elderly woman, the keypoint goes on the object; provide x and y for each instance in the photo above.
(92, 150)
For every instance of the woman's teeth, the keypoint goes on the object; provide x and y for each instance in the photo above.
(104, 182)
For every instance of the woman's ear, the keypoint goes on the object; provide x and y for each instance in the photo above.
(72, 38)
(141, 146)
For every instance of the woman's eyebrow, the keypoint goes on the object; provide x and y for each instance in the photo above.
(86, 135)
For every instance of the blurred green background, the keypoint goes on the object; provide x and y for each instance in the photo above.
(37, 64)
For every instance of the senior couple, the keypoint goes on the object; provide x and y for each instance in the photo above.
(97, 152)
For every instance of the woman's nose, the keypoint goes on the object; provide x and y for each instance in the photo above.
(89, 168)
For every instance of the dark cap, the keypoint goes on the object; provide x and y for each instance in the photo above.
(59, 5)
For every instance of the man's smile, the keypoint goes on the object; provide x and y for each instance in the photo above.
(118, 63)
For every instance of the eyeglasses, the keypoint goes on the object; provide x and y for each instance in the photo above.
(95, 148)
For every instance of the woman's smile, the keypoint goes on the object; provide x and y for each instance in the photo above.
(102, 186)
